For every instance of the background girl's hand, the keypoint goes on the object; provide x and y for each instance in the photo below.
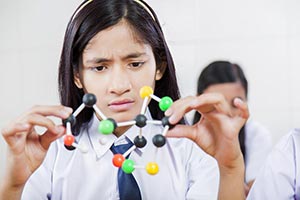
(26, 148)
(217, 131)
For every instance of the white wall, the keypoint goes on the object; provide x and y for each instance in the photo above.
(263, 36)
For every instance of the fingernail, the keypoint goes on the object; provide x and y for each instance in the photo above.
(25, 126)
(169, 112)
(68, 109)
(65, 114)
(59, 129)
(238, 100)
(171, 119)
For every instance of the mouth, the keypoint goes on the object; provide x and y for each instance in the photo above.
(121, 105)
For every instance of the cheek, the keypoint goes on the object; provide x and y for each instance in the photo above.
(145, 78)
(91, 83)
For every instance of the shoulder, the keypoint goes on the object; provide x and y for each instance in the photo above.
(280, 171)
(257, 134)
(254, 129)
(290, 142)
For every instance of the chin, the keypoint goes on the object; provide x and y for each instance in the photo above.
(123, 117)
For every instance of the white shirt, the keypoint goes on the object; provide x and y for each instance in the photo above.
(280, 176)
(185, 171)
(258, 143)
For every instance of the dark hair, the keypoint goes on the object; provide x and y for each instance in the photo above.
(95, 16)
(222, 72)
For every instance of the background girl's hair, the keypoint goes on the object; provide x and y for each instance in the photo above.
(219, 72)
(96, 16)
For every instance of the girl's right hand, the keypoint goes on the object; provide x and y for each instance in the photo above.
(26, 148)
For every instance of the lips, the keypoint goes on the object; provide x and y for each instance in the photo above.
(121, 105)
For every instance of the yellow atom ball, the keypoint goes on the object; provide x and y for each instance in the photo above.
(152, 168)
(146, 91)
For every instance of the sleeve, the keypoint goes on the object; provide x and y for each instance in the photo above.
(258, 146)
(277, 177)
(38, 186)
(203, 175)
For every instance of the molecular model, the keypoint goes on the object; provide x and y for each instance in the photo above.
(108, 125)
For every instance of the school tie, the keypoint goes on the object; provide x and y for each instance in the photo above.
(128, 187)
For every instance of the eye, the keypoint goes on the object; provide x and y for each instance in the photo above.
(98, 68)
(136, 64)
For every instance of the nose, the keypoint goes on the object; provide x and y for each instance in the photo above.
(120, 82)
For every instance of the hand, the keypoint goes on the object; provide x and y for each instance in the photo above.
(217, 131)
(27, 149)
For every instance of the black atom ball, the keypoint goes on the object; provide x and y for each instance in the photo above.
(70, 148)
(113, 122)
(70, 119)
(159, 140)
(89, 100)
(140, 141)
(141, 120)
(165, 122)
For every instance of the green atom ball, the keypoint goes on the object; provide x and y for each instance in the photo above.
(128, 166)
(165, 103)
(106, 127)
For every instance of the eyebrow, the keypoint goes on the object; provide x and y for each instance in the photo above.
(100, 60)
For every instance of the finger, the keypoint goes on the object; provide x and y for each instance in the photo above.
(243, 106)
(49, 136)
(209, 102)
(57, 111)
(30, 121)
(179, 108)
(13, 128)
(244, 114)
(182, 131)
(40, 120)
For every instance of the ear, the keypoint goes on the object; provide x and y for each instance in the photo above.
(160, 72)
(77, 81)
(158, 75)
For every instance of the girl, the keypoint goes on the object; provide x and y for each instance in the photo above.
(255, 140)
(280, 175)
(111, 49)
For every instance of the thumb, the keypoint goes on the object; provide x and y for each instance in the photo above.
(182, 131)
(49, 136)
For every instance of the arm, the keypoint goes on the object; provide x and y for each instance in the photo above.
(27, 149)
(10, 192)
(217, 134)
(232, 182)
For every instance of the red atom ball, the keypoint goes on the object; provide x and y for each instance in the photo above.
(68, 140)
(118, 159)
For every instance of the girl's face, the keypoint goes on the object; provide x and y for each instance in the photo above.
(115, 65)
(230, 91)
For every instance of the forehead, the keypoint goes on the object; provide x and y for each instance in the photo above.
(117, 38)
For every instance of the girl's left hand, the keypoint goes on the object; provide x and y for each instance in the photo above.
(217, 131)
